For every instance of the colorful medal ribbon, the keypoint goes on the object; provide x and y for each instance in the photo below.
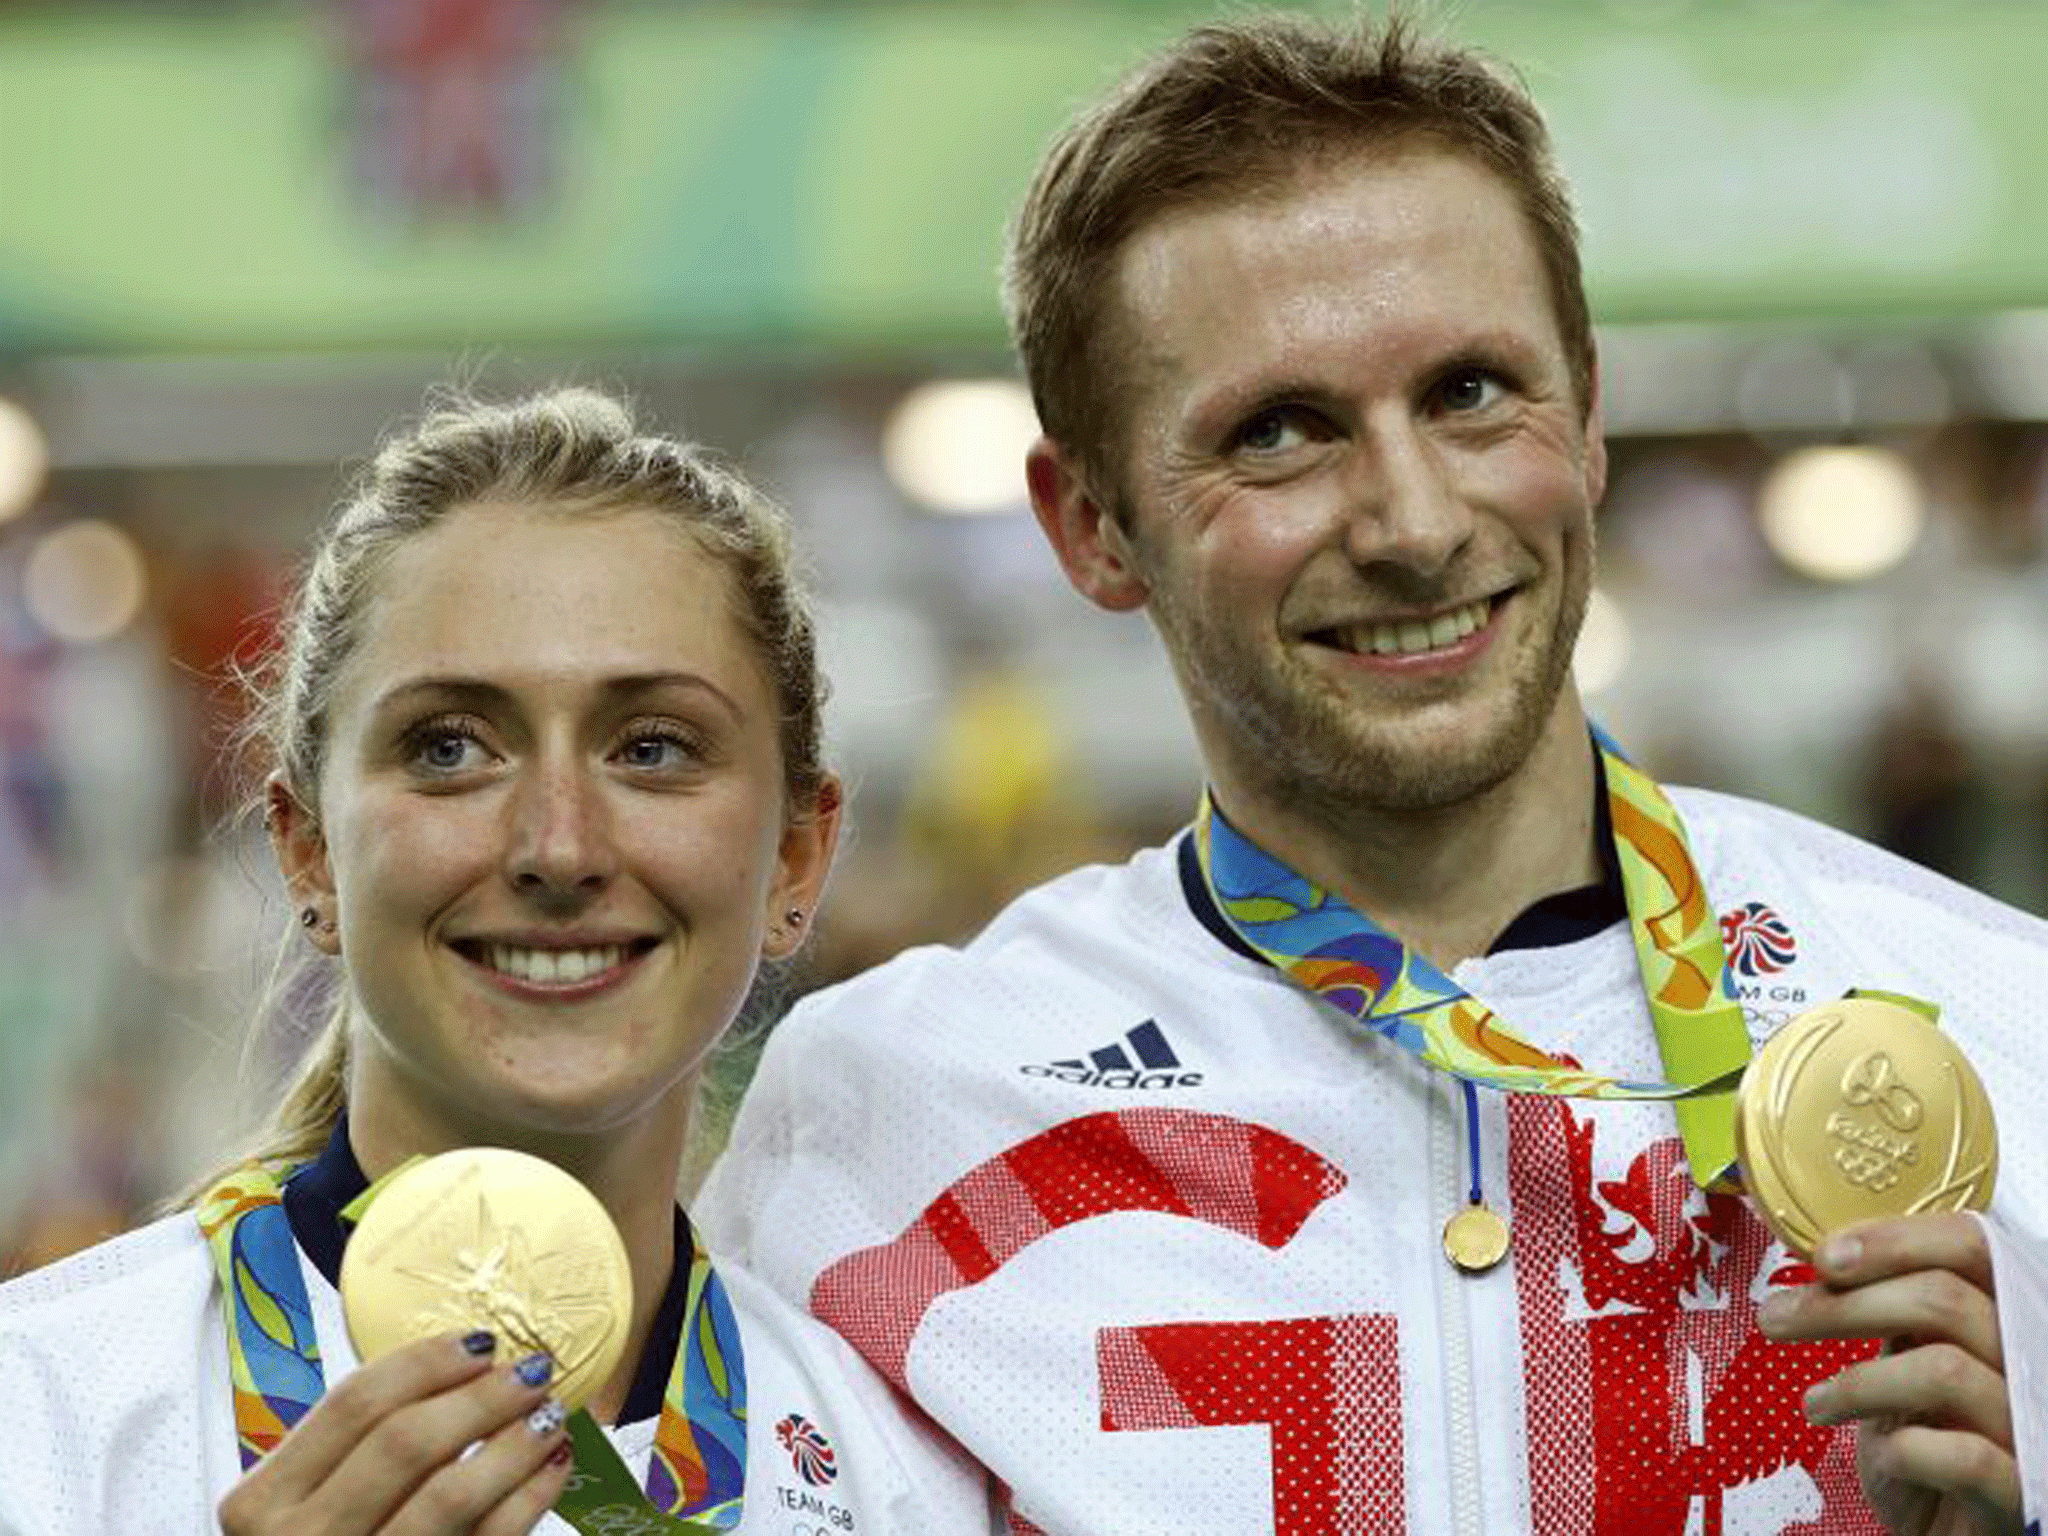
(696, 1474)
(273, 1352)
(1344, 957)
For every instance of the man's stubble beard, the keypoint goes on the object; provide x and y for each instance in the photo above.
(1302, 745)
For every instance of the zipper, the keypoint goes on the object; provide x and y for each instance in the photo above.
(1448, 1186)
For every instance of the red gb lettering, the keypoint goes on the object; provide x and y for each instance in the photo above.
(1336, 1454)
(1330, 1451)
(1650, 1391)
(1231, 1174)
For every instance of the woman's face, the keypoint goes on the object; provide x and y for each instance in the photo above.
(551, 830)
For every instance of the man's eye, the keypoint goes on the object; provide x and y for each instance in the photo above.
(1273, 431)
(1469, 389)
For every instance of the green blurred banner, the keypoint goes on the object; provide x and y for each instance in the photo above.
(841, 175)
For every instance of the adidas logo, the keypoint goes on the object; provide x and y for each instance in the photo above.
(1142, 1059)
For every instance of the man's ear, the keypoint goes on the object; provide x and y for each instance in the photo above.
(1093, 550)
(1594, 459)
(301, 849)
(804, 860)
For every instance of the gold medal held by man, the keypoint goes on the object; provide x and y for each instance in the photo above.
(1861, 1109)
(489, 1238)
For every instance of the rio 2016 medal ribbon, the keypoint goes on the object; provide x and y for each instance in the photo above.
(486, 1237)
(1859, 1109)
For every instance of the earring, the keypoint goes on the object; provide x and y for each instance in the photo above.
(308, 916)
(794, 917)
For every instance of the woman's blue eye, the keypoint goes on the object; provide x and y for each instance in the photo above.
(446, 750)
(657, 751)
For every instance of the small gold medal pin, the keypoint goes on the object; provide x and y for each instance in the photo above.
(1475, 1238)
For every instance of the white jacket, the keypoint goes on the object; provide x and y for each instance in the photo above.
(120, 1424)
(1156, 1235)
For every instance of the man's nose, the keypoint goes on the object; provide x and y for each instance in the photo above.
(1404, 505)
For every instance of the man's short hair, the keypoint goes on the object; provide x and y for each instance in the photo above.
(1230, 108)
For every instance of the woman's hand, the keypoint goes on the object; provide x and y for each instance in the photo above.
(384, 1451)
(1934, 1436)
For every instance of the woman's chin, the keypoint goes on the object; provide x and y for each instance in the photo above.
(566, 1108)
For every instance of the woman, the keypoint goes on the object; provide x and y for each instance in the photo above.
(547, 790)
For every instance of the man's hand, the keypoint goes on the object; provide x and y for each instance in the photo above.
(1934, 1436)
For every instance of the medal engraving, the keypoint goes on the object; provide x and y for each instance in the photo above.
(1869, 1080)
(531, 1302)
(1861, 1109)
(495, 1239)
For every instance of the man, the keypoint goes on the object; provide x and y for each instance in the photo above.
(1140, 1194)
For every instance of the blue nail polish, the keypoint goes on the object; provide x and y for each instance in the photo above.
(547, 1418)
(482, 1342)
(534, 1370)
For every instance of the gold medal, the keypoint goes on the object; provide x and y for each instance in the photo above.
(486, 1237)
(1475, 1239)
(1861, 1109)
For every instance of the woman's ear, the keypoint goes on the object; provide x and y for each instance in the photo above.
(804, 860)
(301, 850)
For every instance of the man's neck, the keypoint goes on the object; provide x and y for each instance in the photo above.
(1449, 880)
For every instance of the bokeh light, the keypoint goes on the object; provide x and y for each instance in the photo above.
(1841, 513)
(84, 581)
(24, 460)
(958, 445)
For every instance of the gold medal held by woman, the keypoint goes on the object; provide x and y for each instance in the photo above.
(489, 1238)
(1860, 1109)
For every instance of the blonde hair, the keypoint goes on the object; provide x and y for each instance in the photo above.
(576, 448)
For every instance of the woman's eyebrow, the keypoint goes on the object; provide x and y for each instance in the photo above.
(482, 694)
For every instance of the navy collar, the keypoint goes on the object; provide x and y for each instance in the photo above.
(1563, 917)
(316, 1195)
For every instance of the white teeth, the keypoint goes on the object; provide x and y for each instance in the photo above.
(553, 967)
(1409, 636)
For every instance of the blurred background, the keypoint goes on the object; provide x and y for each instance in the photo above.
(240, 240)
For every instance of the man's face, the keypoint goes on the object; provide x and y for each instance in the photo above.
(1356, 481)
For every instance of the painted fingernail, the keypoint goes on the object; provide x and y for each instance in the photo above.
(482, 1342)
(547, 1418)
(1840, 1253)
(1777, 1310)
(559, 1455)
(534, 1370)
